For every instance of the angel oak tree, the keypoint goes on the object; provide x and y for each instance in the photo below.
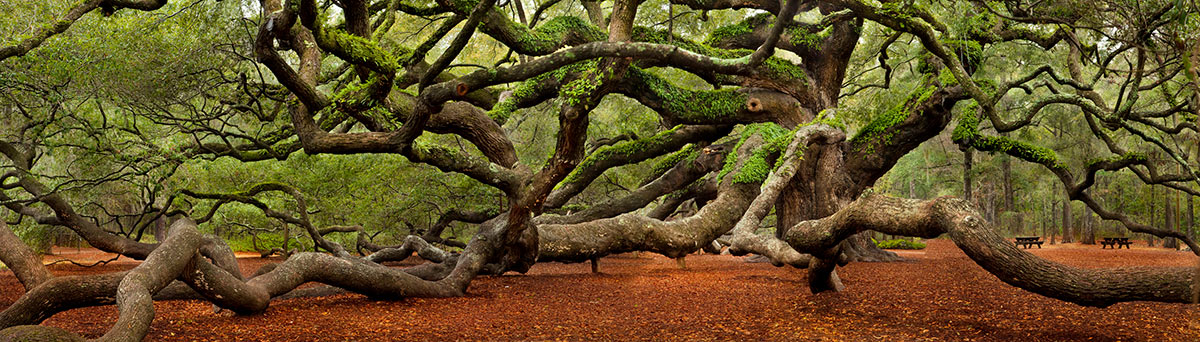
(761, 125)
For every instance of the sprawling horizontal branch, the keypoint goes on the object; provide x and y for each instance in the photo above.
(984, 244)
(633, 232)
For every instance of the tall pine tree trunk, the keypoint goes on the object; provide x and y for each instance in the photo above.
(1172, 218)
(968, 155)
(1191, 215)
(1067, 234)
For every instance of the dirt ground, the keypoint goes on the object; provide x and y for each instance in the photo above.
(939, 295)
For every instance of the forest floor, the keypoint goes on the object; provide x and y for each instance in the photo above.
(938, 295)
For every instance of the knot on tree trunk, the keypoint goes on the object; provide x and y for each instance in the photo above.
(754, 105)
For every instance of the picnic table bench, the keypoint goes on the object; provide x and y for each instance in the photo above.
(1115, 242)
(1028, 241)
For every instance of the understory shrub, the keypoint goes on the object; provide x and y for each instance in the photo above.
(899, 244)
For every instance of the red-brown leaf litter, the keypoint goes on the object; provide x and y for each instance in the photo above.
(938, 295)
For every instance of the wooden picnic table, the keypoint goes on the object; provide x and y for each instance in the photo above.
(1028, 241)
(1115, 242)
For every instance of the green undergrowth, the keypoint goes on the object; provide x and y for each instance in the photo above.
(898, 244)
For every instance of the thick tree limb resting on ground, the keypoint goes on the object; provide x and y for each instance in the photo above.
(985, 245)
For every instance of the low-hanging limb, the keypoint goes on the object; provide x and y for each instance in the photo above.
(628, 152)
(434, 233)
(302, 220)
(225, 289)
(136, 287)
(967, 134)
(64, 213)
(633, 232)
(984, 244)
(685, 172)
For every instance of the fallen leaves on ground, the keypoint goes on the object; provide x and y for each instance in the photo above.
(938, 295)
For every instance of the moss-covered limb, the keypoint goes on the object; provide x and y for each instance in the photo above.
(1112, 163)
(411, 9)
(670, 55)
(688, 153)
(1016, 148)
(250, 152)
(882, 128)
(771, 139)
(681, 175)
(800, 38)
(538, 89)
(872, 152)
(364, 102)
(1015, 33)
(450, 160)
(900, 17)
(356, 50)
(774, 73)
(722, 106)
(548, 37)
(627, 152)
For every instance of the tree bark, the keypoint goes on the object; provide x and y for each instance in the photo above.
(1067, 233)
(24, 263)
(991, 250)
(968, 157)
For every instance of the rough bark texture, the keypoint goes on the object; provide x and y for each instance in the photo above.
(988, 248)
(634, 232)
(26, 264)
(745, 240)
